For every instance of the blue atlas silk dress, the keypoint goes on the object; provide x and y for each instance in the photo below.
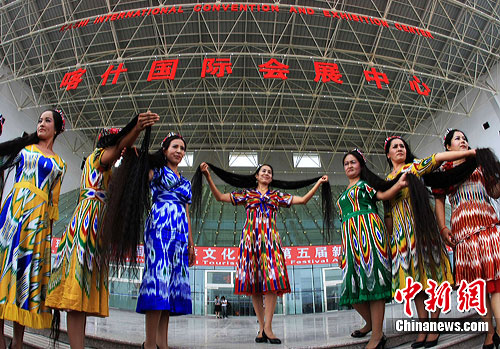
(165, 284)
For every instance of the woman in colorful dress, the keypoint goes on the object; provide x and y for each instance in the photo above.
(416, 246)
(475, 230)
(79, 280)
(26, 226)
(365, 263)
(168, 243)
(261, 267)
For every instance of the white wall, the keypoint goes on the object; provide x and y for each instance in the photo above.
(481, 106)
(18, 120)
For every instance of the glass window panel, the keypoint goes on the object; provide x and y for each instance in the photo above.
(306, 160)
(333, 274)
(243, 159)
(219, 278)
(303, 278)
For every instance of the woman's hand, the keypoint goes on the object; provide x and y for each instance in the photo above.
(446, 234)
(402, 182)
(204, 169)
(323, 179)
(146, 119)
(192, 255)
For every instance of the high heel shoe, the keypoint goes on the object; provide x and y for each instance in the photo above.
(381, 343)
(359, 334)
(262, 339)
(271, 340)
(420, 344)
(496, 339)
(433, 343)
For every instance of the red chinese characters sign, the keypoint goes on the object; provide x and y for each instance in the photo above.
(228, 256)
(324, 72)
(296, 255)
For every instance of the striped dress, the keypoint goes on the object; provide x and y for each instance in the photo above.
(261, 265)
(366, 265)
(475, 229)
(405, 260)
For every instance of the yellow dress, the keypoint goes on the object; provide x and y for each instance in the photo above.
(79, 280)
(25, 236)
(405, 261)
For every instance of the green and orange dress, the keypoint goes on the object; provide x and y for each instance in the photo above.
(366, 265)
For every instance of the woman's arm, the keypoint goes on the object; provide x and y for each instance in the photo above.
(191, 252)
(111, 154)
(390, 193)
(298, 200)
(454, 155)
(223, 197)
(441, 220)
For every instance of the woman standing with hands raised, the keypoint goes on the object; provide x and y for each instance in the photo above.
(261, 270)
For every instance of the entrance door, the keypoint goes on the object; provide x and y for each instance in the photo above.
(221, 283)
(332, 281)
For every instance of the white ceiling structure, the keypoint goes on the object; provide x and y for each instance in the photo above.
(243, 110)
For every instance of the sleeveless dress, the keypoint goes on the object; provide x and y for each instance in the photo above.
(474, 228)
(25, 237)
(405, 261)
(366, 265)
(165, 284)
(79, 281)
(261, 264)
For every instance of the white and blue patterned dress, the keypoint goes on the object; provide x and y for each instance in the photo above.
(165, 284)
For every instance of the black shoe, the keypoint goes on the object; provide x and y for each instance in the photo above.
(271, 340)
(381, 343)
(359, 334)
(496, 339)
(418, 344)
(431, 344)
(262, 339)
(142, 346)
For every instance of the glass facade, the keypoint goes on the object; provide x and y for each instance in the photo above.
(315, 289)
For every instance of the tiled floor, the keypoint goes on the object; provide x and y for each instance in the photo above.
(296, 331)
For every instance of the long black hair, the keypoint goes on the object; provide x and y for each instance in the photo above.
(249, 181)
(368, 176)
(109, 137)
(484, 159)
(129, 200)
(430, 246)
(13, 147)
(429, 243)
